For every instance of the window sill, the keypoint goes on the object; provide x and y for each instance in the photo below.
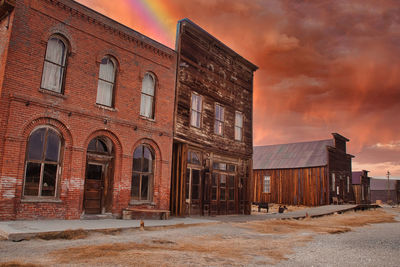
(41, 200)
(52, 93)
(147, 118)
(140, 203)
(106, 107)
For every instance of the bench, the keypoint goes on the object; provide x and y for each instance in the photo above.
(337, 200)
(262, 205)
(131, 213)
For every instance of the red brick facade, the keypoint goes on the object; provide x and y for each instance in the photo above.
(74, 114)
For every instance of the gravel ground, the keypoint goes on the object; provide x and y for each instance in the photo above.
(375, 245)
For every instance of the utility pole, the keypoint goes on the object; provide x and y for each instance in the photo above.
(388, 187)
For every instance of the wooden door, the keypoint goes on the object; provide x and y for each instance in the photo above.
(94, 185)
(222, 207)
(193, 191)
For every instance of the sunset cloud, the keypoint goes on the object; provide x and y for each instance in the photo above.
(325, 66)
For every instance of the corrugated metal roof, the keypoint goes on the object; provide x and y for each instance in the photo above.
(381, 184)
(295, 155)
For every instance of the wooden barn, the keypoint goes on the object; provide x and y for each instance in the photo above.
(385, 191)
(307, 173)
(213, 145)
(361, 187)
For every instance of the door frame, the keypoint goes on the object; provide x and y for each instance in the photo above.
(106, 180)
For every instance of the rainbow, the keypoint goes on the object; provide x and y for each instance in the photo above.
(157, 18)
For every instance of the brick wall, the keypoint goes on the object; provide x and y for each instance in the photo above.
(75, 113)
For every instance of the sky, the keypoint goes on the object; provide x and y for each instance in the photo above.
(324, 66)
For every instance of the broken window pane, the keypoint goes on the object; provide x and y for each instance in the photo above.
(32, 179)
(135, 186)
(49, 179)
(145, 187)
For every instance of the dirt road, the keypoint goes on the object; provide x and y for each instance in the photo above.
(319, 242)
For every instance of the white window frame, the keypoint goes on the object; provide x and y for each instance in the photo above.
(196, 112)
(238, 128)
(267, 184)
(56, 67)
(219, 121)
(99, 100)
(144, 95)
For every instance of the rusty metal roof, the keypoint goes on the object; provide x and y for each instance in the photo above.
(295, 155)
(382, 184)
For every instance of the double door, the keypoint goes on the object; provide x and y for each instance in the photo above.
(223, 194)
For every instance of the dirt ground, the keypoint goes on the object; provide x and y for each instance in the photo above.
(216, 244)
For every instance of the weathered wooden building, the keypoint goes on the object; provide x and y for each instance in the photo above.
(385, 191)
(361, 187)
(212, 152)
(307, 173)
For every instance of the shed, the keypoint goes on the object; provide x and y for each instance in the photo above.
(305, 173)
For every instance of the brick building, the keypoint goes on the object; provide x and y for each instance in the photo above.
(86, 113)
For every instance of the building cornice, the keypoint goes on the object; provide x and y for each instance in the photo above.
(114, 27)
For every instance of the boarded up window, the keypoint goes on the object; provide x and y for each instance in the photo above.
(54, 65)
(142, 174)
(106, 82)
(147, 100)
(196, 109)
(219, 120)
(267, 186)
(238, 126)
(42, 163)
(333, 182)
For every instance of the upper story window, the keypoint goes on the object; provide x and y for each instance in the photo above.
(238, 126)
(42, 163)
(219, 119)
(196, 109)
(106, 83)
(147, 100)
(267, 185)
(142, 174)
(54, 65)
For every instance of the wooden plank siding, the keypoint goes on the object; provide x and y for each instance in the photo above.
(302, 186)
(218, 76)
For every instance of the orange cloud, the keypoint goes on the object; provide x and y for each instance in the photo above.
(325, 66)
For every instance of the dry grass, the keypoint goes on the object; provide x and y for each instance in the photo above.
(333, 224)
(17, 264)
(251, 243)
(203, 250)
(67, 235)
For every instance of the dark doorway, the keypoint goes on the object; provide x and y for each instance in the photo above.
(99, 177)
(94, 185)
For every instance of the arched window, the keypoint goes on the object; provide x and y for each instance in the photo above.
(105, 86)
(97, 146)
(54, 65)
(42, 163)
(142, 174)
(147, 101)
